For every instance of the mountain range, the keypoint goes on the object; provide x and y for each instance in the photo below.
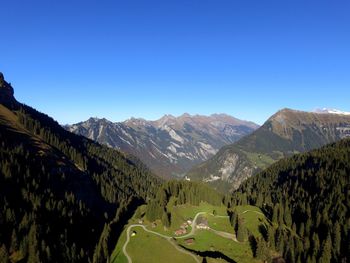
(57, 187)
(285, 133)
(171, 145)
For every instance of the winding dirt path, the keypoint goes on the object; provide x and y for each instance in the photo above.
(252, 211)
(224, 234)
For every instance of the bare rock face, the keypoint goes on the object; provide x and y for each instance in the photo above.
(171, 145)
(6, 90)
(1, 79)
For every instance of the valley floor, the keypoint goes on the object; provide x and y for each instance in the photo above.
(142, 241)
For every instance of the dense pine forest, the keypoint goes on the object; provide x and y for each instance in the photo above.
(307, 199)
(61, 195)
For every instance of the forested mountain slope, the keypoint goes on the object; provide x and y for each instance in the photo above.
(310, 194)
(61, 195)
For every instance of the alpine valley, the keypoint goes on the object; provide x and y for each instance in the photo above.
(179, 131)
(284, 188)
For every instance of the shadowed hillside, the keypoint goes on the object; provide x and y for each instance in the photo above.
(61, 195)
(310, 194)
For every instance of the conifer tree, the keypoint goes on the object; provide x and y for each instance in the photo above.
(166, 219)
(301, 229)
(336, 239)
(241, 231)
(287, 216)
(315, 244)
(326, 253)
(4, 256)
(271, 237)
(234, 221)
(14, 242)
(262, 251)
(275, 214)
(280, 215)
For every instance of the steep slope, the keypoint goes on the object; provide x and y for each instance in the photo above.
(61, 194)
(170, 146)
(310, 194)
(285, 133)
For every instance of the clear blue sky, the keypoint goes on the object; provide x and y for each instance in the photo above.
(117, 59)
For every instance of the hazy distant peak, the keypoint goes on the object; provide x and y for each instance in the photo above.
(93, 119)
(136, 119)
(133, 119)
(331, 111)
(216, 115)
(167, 117)
(96, 119)
(318, 110)
(186, 115)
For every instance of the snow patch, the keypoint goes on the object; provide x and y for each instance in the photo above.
(331, 111)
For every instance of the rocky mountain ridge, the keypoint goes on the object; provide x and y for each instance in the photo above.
(170, 146)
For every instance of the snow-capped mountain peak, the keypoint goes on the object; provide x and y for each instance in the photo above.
(331, 111)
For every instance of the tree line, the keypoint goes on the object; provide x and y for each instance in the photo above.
(183, 192)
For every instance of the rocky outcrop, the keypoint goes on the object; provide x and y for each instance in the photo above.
(6, 93)
(6, 90)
